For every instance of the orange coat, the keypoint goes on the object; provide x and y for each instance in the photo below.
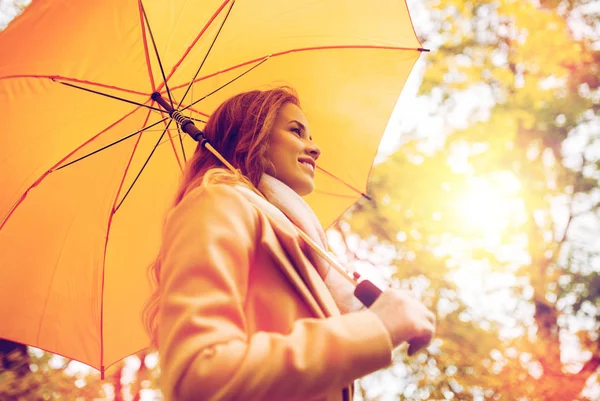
(244, 315)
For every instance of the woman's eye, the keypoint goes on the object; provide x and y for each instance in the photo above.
(297, 131)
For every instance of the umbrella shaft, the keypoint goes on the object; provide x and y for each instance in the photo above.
(366, 291)
(186, 124)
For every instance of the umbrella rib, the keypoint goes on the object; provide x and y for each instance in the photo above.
(147, 128)
(165, 79)
(54, 167)
(109, 96)
(143, 166)
(39, 331)
(304, 49)
(191, 109)
(170, 139)
(108, 227)
(334, 194)
(112, 144)
(162, 71)
(197, 119)
(180, 143)
(361, 193)
(225, 84)
(160, 65)
(60, 78)
(191, 46)
(207, 53)
(179, 133)
(198, 72)
(145, 41)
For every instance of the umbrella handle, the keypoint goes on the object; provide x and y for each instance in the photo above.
(189, 128)
(367, 292)
(185, 123)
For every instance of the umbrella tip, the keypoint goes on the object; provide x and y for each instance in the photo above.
(421, 49)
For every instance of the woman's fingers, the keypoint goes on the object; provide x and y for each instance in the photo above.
(418, 343)
(405, 318)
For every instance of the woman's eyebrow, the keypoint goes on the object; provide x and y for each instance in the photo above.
(302, 127)
(299, 123)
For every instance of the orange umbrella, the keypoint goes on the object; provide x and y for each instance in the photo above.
(89, 164)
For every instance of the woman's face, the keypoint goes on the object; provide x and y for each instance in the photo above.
(292, 153)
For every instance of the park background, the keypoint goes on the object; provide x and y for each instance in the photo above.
(485, 202)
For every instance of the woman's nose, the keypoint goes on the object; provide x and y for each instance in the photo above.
(314, 151)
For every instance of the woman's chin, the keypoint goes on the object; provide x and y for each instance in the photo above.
(302, 185)
(306, 188)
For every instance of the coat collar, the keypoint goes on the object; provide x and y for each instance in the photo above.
(280, 239)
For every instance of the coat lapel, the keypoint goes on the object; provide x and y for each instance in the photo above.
(280, 239)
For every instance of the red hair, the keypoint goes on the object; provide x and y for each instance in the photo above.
(239, 129)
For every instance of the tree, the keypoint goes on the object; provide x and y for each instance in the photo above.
(29, 374)
(490, 227)
(538, 67)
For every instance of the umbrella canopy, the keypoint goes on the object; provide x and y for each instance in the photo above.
(78, 233)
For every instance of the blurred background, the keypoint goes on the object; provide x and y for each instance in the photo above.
(485, 203)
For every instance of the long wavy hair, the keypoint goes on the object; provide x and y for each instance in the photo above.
(239, 129)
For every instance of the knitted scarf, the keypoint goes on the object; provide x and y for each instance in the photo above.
(299, 212)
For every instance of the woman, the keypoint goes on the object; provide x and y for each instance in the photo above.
(244, 310)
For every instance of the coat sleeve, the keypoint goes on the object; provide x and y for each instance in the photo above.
(206, 352)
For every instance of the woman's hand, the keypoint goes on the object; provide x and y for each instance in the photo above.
(405, 318)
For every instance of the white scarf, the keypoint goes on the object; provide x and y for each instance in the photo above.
(300, 214)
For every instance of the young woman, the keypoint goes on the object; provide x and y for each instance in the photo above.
(244, 309)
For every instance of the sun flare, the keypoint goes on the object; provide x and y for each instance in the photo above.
(489, 205)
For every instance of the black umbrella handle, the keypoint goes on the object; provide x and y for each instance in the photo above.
(185, 123)
(367, 292)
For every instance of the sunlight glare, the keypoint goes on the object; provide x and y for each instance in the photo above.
(490, 205)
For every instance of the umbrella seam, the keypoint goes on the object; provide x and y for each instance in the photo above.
(282, 53)
(344, 182)
(122, 99)
(144, 166)
(62, 78)
(52, 280)
(112, 144)
(195, 111)
(58, 79)
(316, 191)
(190, 47)
(145, 42)
(160, 64)
(224, 85)
(53, 168)
(413, 27)
(173, 144)
(206, 55)
(109, 224)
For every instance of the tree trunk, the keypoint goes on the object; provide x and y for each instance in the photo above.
(118, 386)
(141, 376)
(554, 384)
